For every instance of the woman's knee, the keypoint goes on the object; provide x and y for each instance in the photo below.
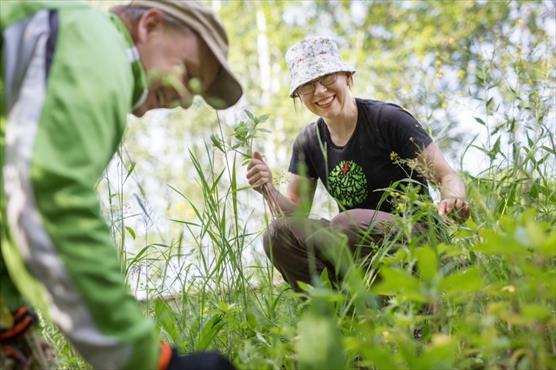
(363, 226)
(361, 219)
(343, 221)
(275, 236)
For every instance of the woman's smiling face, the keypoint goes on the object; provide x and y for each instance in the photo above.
(329, 101)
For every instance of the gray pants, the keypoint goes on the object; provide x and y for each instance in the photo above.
(301, 248)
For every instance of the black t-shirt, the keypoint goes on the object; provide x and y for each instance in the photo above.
(354, 173)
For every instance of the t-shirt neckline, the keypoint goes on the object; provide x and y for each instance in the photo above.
(327, 132)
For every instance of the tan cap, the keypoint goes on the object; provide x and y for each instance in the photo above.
(226, 90)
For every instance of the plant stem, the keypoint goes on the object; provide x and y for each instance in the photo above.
(275, 209)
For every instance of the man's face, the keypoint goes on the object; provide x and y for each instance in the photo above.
(178, 64)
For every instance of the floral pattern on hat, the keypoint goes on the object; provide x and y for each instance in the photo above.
(312, 58)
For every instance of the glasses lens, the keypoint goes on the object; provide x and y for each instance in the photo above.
(306, 88)
(328, 79)
(309, 87)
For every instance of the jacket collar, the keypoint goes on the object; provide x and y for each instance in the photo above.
(140, 90)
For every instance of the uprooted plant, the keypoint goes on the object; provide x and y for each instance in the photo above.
(241, 142)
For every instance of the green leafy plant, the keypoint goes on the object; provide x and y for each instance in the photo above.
(473, 296)
(244, 134)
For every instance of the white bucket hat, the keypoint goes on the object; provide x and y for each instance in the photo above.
(312, 58)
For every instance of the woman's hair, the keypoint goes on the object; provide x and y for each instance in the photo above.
(134, 13)
(294, 103)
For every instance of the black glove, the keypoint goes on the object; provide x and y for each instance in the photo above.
(200, 361)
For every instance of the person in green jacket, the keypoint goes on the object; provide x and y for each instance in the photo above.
(69, 76)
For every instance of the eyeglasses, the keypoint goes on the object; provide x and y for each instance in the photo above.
(309, 87)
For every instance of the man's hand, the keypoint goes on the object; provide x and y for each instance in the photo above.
(454, 208)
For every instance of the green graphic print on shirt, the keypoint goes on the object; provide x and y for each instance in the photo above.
(347, 184)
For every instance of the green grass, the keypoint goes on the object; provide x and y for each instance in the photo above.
(481, 295)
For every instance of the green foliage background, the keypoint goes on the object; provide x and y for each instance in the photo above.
(480, 75)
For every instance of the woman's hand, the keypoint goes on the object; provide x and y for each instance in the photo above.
(452, 189)
(258, 173)
(454, 208)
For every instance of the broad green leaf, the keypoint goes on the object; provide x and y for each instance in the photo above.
(479, 120)
(251, 116)
(380, 358)
(496, 244)
(537, 312)
(427, 263)
(462, 283)
(165, 319)
(210, 328)
(263, 118)
(441, 354)
(319, 344)
(399, 282)
(543, 241)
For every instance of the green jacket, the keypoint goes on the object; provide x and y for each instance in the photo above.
(67, 88)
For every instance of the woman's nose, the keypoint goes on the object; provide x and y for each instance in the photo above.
(319, 88)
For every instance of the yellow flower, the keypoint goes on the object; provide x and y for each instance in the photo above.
(509, 289)
(440, 339)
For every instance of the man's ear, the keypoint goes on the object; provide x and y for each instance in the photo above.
(150, 21)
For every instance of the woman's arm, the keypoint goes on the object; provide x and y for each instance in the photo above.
(299, 194)
(452, 190)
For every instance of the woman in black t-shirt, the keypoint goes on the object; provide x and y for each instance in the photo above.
(356, 148)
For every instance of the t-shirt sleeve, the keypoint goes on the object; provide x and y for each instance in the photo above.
(404, 133)
(300, 163)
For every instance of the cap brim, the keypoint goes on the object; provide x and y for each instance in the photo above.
(225, 91)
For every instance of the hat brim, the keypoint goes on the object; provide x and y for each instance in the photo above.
(225, 90)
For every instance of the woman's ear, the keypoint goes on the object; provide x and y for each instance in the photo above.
(350, 80)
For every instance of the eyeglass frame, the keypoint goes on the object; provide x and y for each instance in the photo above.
(313, 83)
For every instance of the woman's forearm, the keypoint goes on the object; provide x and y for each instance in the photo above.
(285, 204)
(452, 186)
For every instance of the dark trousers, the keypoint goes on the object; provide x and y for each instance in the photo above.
(301, 248)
